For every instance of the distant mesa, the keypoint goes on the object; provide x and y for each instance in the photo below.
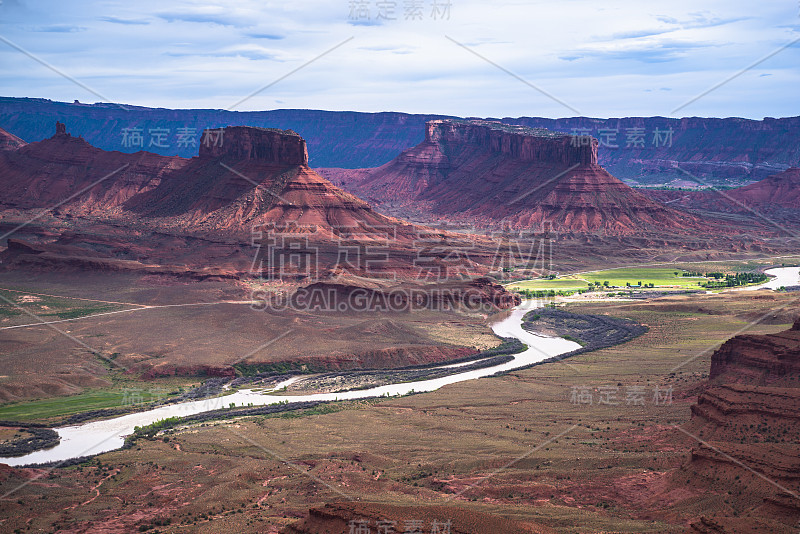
(517, 142)
(490, 173)
(243, 177)
(246, 143)
(775, 195)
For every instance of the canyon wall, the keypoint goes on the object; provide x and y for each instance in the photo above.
(488, 173)
(68, 172)
(243, 143)
(646, 149)
(748, 421)
(518, 142)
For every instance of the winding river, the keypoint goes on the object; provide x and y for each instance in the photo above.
(106, 435)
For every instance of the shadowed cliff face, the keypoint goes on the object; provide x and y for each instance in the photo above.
(243, 143)
(517, 142)
(488, 173)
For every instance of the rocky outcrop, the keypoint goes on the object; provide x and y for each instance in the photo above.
(68, 172)
(721, 151)
(478, 295)
(748, 418)
(782, 189)
(489, 173)
(517, 142)
(10, 141)
(246, 177)
(245, 143)
(759, 360)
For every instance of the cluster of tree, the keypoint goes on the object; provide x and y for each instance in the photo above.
(733, 280)
(541, 293)
(640, 284)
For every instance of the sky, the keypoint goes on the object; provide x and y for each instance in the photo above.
(455, 57)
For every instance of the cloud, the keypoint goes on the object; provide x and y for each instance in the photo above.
(251, 52)
(270, 36)
(656, 51)
(699, 20)
(694, 21)
(365, 22)
(59, 28)
(402, 50)
(127, 22)
(484, 41)
(209, 15)
(635, 34)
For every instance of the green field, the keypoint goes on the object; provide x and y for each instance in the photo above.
(658, 276)
(44, 409)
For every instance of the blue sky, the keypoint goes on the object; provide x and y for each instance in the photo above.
(459, 57)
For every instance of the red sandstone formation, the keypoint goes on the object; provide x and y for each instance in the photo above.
(196, 216)
(10, 141)
(68, 169)
(759, 360)
(244, 143)
(480, 294)
(777, 196)
(489, 173)
(782, 189)
(749, 415)
(248, 176)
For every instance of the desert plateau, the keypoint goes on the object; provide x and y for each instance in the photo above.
(419, 267)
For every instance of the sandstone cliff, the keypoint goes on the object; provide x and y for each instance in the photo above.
(718, 150)
(248, 176)
(488, 173)
(748, 419)
(196, 216)
(242, 143)
(777, 196)
(68, 172)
